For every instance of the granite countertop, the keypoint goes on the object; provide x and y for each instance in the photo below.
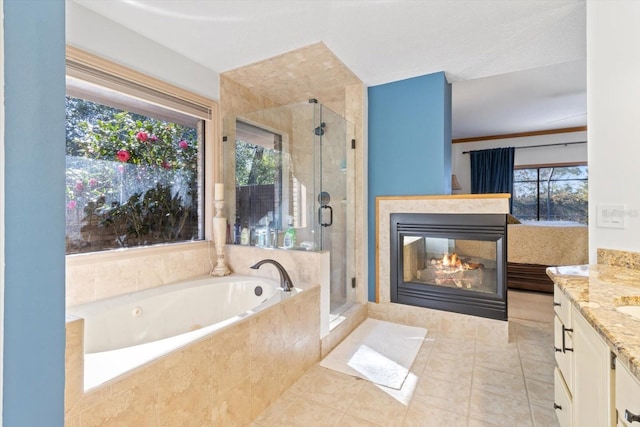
(595, 290)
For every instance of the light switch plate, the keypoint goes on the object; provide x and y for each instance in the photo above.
(611, 216)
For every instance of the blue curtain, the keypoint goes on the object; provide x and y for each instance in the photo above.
(492, 171)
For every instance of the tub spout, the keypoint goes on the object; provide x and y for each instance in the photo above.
(285, 281)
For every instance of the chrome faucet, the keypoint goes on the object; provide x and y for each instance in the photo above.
(285, 281)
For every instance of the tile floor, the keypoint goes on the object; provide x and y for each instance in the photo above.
(458, 382)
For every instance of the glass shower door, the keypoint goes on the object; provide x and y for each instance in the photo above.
(294, 170)
(334, 166)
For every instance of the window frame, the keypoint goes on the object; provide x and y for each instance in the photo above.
(546, 166)
(91, 68)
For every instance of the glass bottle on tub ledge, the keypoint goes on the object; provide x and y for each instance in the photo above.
(289, 241)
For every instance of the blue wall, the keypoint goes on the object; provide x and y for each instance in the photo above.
(34, 323)
(409, 144)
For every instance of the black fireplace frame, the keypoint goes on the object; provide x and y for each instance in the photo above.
(489, 227)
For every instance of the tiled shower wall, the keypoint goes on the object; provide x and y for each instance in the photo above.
(227, 378)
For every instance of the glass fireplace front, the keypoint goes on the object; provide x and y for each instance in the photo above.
(453, 262)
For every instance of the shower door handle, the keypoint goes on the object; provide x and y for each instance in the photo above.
(320, 218)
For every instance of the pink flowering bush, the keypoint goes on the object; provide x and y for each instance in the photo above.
(132, 177)
(123, 156)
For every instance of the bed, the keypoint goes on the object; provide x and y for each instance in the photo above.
(534, 246)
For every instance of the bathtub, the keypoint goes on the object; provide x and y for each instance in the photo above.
(125, 332)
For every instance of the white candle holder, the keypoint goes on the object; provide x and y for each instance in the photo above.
(220, 239)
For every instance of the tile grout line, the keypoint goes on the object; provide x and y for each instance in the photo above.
(473, 372)
(524, 378)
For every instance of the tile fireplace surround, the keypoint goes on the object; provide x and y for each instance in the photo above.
(435, 320)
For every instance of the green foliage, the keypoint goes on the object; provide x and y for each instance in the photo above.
(134, 175)
(155, 217)
(255, 164)
(563, 194)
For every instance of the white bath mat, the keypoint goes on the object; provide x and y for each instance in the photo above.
(378, 351)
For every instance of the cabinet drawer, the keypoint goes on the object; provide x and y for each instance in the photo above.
(627, 396)
(563, 357)
(562, 306)
(562, 400)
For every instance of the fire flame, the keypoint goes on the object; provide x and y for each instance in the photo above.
(451, 260)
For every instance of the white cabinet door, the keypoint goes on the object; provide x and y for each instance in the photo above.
(592, 394)
(627, 397)
(561, 400)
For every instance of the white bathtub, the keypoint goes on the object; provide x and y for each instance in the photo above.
(124, 332)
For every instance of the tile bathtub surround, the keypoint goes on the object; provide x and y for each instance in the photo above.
(95, 276)
(306, 268)
(227, 378)
(595, 291)
(459, 382)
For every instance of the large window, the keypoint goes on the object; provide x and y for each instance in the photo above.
(258, 182)
(134, 173)
(551, 193)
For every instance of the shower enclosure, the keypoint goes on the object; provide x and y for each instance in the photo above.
(294, 186)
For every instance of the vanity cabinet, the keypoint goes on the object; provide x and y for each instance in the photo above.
(627, 397)
(592, 376)
(563, 348)
(583, 376)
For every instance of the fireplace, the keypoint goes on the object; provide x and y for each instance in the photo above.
(452, 262)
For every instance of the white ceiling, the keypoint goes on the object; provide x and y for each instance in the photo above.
(515, 65)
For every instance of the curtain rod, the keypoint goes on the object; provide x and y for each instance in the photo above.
(536, 146)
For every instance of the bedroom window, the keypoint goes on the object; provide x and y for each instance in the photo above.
(551, 193)
(134, 156)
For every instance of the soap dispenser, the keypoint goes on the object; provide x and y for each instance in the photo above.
(289, 236)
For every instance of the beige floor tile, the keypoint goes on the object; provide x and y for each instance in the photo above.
(445, 368)
(536, 333)
(537, 370)
(421, 358)
(455, 348)
(349, 420)
(504, 361)
(334, 390)
(269, 416)
(444, 394)
(480, 423)
(499, 383)
(494, 384)
(308, 378)
(544, 416)
(543, 353)
(540, 392)
(421, 414)
(507, 348)
(499, 410)
(376, 406)
(306, 413)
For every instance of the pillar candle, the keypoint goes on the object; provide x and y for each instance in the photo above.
(219, 191)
